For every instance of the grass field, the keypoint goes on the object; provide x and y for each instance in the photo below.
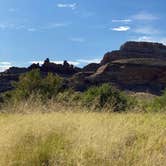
(82, 138)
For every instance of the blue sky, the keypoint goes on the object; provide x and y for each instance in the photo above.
(79, 31)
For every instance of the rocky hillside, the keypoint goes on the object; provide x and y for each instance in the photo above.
(137, 66)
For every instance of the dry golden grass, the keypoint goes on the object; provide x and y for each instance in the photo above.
(81, 138)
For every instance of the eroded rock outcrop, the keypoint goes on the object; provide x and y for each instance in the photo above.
(12, 74)
(137, 66)
(136, 50)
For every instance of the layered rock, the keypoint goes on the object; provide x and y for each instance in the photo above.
(136, 50)
(137, 66)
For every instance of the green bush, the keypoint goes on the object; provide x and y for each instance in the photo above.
(105, 96)
(33, 83)
(158, 103)
(69, 97)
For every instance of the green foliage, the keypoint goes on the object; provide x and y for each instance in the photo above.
(69, 97)
(34, 83)
(151, 103)
(105, 96)
(157, 104)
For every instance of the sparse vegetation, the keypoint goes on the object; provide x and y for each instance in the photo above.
(34, 83)
(105, 96)
(69, 136)
(47, 125)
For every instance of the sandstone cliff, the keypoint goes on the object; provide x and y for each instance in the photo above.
(136, 66)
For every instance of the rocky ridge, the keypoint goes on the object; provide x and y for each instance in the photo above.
(136, 66)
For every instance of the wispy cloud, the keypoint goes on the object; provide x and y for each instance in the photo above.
(121, 28)
(84, 14)
(72, 6)
(31, 29)
(4, 66)
(147, 30)
(144, 16)
(11, 26)
(4, 26)
(12, 10)
(145, 38)
(77, 39)
(152, 39)
(122, 21)
(86, 61)
(19, 27)
(79, 62)
(56, 25)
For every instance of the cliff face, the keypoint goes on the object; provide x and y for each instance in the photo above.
(137, 66)
(136, 50)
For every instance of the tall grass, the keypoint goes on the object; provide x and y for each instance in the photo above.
(69, 136)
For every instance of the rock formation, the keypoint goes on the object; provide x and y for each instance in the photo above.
(136, 50)
(136, 66)
(12, 74)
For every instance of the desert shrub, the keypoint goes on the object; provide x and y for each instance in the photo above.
(34, 83)
(157, 104)
(69, 97)
(152, 104)
(105, 96)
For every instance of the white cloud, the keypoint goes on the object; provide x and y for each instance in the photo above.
(79, 62)
(72, 6)
(4, 66)
(163, 40)
(20, 27)
(85, 14)
(121, 28)
(145, 16)
(86, 61)
(75, 63)
(146, 30)
(31, 29)
(5, 63)
(152, 39)
(4, 26)
(11, 26)
(55, 25)
(78, 39)
(40, 62)
(12, 10)
(145, 38)
(123, 21)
